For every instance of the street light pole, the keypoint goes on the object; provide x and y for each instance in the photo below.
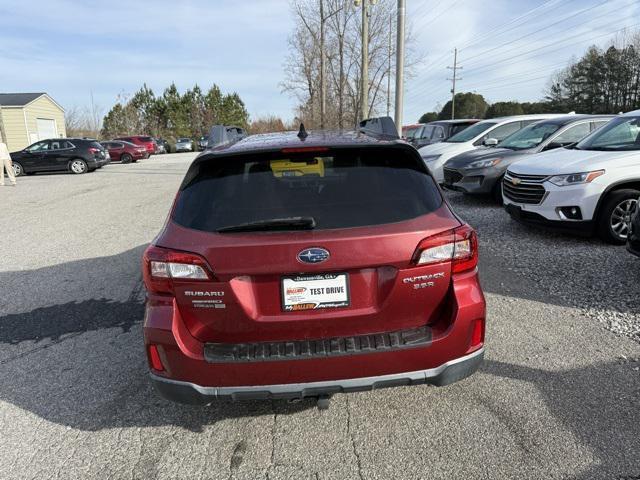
(323, 87)
(364, 94)
(389, 69)
(400, 66)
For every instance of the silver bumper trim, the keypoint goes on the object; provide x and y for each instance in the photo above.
(444, 374)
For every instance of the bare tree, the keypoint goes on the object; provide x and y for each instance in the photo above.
(83, 122)
(341, 41)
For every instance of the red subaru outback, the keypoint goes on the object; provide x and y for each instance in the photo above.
(301, 266)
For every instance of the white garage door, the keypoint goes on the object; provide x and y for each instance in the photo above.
(46, 128)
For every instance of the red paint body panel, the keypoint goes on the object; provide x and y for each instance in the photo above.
(135, 152)
(247, 270)
(149, 145)
(452, 338)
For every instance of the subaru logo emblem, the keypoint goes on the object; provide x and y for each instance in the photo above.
(516, 181)
(313, 255)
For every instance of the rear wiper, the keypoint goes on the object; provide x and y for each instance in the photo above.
(288, 223)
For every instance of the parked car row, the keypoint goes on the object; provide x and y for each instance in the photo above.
(420, 135)
(572, 173)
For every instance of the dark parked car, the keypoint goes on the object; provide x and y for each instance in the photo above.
(480, 171)
(633, 237)
(125, 152)
(202, 143)
(438, 131)
(308, 265)
(224, 134)
(76, 155)
(147, 142)
(162, 146)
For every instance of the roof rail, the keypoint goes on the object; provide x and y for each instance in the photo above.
(382, 127)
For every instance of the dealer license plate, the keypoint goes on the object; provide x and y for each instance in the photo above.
(311, 292)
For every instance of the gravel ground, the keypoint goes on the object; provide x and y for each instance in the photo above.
(602, 281)
(556, 398)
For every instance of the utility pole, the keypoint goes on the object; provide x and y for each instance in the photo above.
(400, 66)
(455, 69)
(323, 86)
(364, 63)
(389, 67)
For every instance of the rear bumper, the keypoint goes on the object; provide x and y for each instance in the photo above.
(294, 367)
(445, 374)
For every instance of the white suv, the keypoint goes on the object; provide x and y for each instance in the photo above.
(488, 133)
(591, 187)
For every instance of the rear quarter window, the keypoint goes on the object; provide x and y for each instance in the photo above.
(341, 189)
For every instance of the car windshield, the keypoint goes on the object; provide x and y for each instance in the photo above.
(146, 139)
(334, 190)
(470, 133)
(530, 136)
(184, 140)
(620, 134)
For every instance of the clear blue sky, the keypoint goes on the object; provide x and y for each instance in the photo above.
(70, 48)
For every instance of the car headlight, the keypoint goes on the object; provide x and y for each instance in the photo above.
(575, 178)
(483, 163)
(431, 158)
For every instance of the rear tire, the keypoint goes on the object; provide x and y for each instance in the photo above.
(125, 158)
(78, 166)
(613, 220)
(18, 171)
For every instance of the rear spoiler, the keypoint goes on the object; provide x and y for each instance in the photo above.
(379, 127)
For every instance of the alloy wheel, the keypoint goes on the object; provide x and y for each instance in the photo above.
(78, 166)
(17, 169)
(621, 217)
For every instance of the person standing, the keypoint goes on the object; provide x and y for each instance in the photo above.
(5, 163)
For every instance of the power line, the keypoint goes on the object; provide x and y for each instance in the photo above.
(547, 3)
(484, 67)
(527, 54)
(493, 33)
(540, 29)
(561, 40)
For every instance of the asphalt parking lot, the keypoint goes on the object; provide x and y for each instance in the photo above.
(557, 397)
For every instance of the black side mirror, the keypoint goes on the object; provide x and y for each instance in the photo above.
(552, 146)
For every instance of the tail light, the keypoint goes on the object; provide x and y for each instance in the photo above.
(162, 267)
(458, 246)
(93, 150)
(477, 335)
(154, 358)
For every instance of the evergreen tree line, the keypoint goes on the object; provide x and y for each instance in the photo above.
(601, 81)
(172, 114)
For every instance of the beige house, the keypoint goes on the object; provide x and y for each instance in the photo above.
(29, 117)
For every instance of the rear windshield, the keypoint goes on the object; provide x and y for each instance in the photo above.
(338, 189)
(146, 139)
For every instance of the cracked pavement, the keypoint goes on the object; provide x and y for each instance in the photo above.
(557, 397)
